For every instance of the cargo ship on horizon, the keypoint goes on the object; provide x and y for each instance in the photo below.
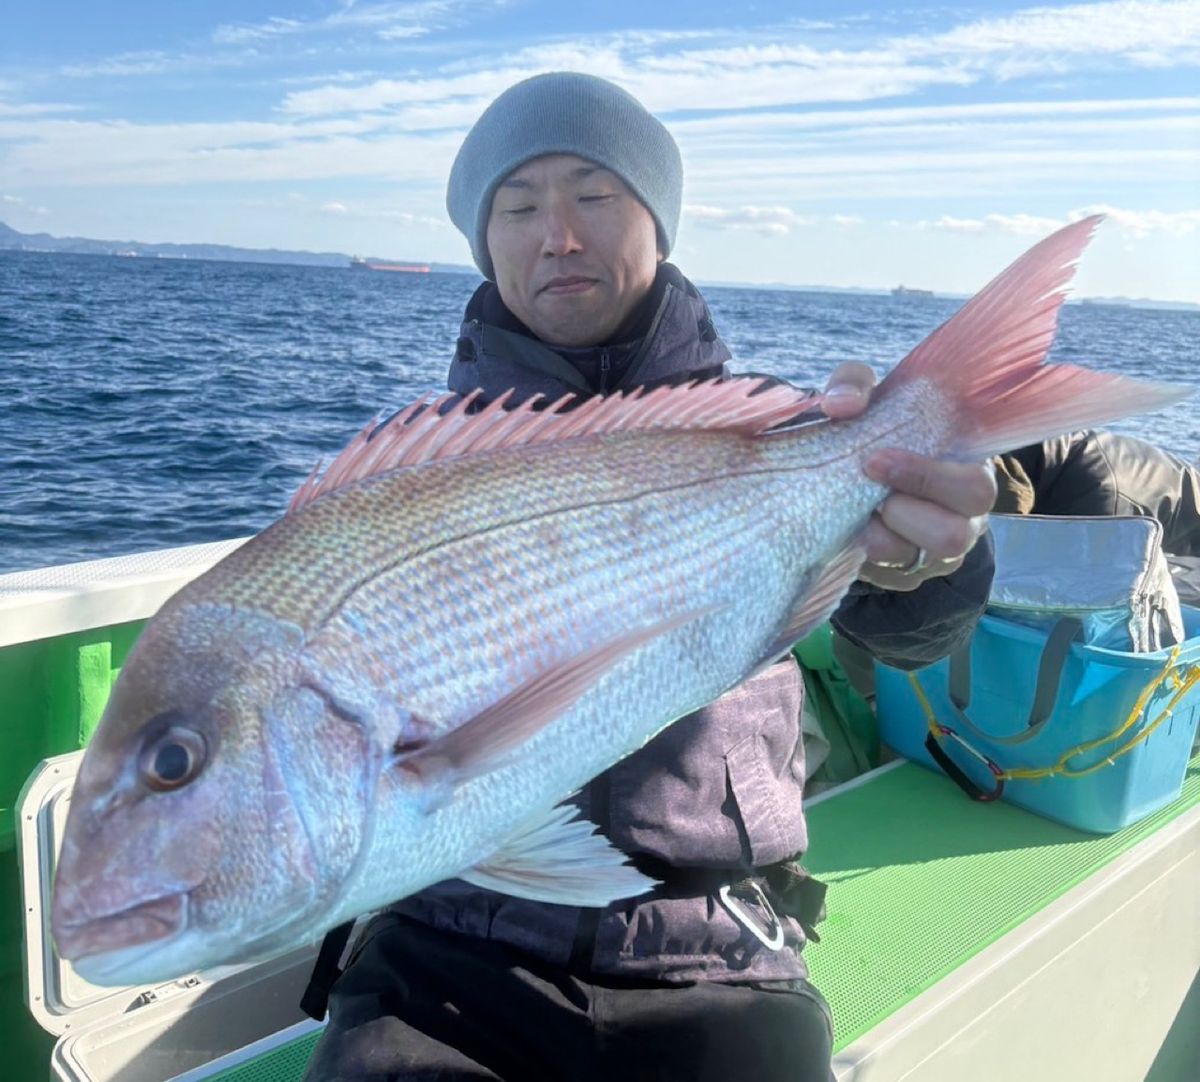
(358, 263)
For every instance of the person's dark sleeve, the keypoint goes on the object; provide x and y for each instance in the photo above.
(1101, 473)
(909, 630)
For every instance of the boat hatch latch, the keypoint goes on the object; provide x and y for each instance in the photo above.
(164, 991)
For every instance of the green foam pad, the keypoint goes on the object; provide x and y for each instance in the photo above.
(921, 879)
(283, 1064)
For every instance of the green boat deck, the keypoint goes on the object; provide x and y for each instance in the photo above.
(921, 880)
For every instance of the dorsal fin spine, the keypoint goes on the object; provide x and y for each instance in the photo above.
(422, 432)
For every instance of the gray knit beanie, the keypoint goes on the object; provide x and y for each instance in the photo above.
(564, 112)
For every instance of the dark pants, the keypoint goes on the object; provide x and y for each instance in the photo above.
(415, 1003)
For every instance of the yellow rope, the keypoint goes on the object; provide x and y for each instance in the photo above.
(1182, 683)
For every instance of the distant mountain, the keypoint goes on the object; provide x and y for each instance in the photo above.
(1139, 302)
(788, 287)
(44, 242)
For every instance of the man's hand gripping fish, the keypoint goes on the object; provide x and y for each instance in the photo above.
(471, 615)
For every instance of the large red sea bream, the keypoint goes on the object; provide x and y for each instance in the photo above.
(400, 680)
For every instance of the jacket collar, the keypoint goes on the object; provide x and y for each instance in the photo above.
(670, 339)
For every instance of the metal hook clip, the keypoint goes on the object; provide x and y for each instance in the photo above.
(770, 937)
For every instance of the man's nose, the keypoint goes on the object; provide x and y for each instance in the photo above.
(561, 233)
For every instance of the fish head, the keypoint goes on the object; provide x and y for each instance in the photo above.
(218, 808)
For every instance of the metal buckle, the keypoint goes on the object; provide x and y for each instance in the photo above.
(991, 765)
(772, 940)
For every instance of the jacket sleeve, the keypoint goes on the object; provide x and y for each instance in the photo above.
(909, 630)
(1101, 473)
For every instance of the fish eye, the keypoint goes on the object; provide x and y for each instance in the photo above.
(172, 759)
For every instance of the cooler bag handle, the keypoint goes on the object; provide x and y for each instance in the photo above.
(1054, 655)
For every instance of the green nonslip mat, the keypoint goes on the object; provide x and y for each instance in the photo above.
(921, 879)
(285, 1064)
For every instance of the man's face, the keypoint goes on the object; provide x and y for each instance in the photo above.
(573, 249)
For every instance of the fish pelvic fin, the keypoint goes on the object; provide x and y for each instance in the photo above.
(562, 859)
(987, 359)
(483, 743)
(446, 426)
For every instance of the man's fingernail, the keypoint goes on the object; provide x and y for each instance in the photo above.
(881, 467)
(844, 391)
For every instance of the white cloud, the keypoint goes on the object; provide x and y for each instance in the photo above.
(21, 206)
(238, 34)
(151, 62)
(388, 21)
(768, 221)
(780, 67)
(88, 153)
(1132, 224)
(755, 124)
(1138, 224)
(375, 213)
(35, 109)
(1154, 31)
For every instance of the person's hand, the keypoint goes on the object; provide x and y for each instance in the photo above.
(936, 511)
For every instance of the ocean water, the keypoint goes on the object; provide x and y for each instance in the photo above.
(149, 403)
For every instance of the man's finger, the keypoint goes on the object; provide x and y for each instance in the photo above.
(848, 391)
(941, 533)
(964, 488)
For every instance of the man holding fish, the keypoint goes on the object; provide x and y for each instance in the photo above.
(511, 675)
(569, 192)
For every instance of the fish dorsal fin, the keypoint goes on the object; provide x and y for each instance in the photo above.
(434, 428)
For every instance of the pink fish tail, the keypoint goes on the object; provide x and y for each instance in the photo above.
(988, 360)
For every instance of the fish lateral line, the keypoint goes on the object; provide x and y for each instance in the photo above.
(336, 608)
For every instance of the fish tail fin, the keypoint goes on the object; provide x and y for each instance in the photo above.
(987, 360)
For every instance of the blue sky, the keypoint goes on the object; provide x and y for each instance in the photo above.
(853, 144)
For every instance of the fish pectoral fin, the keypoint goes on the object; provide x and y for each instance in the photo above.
(561, 859)
(482, 743)
(820, 598)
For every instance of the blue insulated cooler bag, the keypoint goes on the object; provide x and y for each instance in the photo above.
(1079, 694)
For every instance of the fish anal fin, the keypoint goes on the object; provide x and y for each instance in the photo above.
(561, 859)
(483, 742)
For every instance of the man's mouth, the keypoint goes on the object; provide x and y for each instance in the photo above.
(569, 284)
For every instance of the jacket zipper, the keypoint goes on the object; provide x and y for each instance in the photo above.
(604, 369)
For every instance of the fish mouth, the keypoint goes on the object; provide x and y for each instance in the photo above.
(146, 922)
